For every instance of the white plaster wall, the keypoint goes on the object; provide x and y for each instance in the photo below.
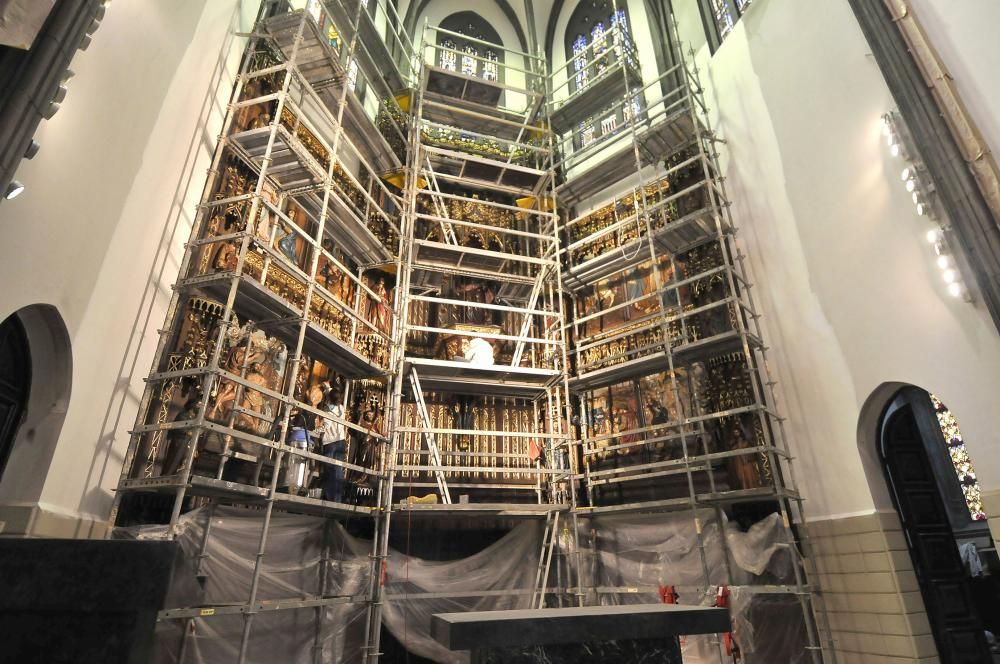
(845, 279)
(110, 198)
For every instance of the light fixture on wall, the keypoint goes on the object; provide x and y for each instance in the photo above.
(914, 178)
(13, 190)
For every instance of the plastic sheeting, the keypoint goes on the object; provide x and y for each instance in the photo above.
(310, 557)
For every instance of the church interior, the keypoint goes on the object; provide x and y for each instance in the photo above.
(327, 321)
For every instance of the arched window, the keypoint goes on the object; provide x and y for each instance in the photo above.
(597, 37)
(472, 58)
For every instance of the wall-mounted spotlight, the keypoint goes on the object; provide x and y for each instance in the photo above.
(921, 191)
(13, 190)
(32, 150)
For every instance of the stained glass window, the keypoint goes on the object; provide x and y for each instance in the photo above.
(490, 66)
(352, 75)
(599, 43)
(964, 469)
(724, 18)
(448, 58)
(608, 124)
(469, 63)
(632, 110)
(580, 61)
(622, 38)
(587, 134)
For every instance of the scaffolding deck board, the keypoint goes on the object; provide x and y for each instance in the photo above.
(470, 116)
(209, 487)
(290, 167)
(499, 510)
(346, 228)
(496, 380)
(432, 276)
(376, 59)
(673, 237)
(485, 172)
(443, 255)
(316, 59)
(656, 361)
(603, 91)
(462, 89)
(707, 499)
(279, 317)
(361, 129)
(321, 67)
(656, 142)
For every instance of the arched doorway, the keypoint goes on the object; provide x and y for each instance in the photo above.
(932, 486)
(15, 383)
(36, 370)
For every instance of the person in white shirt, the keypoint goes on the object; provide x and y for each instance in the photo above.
(478, 351)
(333, 435)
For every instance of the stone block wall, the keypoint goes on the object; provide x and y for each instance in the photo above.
(874, 607)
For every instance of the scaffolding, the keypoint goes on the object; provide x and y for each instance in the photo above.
(274, 307)
(663, 306)
(429, 230)
(479, 264)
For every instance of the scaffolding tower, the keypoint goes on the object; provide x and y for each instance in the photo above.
(273, 307)
(480, 400)
(662, 304)
(443, 236)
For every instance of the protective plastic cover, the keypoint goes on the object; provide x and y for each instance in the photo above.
(309, 557)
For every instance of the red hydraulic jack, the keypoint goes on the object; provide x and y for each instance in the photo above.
(732, 648)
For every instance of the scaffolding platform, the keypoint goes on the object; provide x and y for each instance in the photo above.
(601, 92)
(461, 89)
(674, 237)
(376, 59)
(496, 380)
(706, 499)
(209, 487)
(281, 318)
(365, 136)
(473, 117)
(316, 59)
(461, 259)
(496, 510)
(346, 228)
(476, 171)
(616, 160)
(291, 166)
(684, 354)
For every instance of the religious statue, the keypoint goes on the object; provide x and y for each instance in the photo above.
(379, 312)
(479, 292)
(744, 472)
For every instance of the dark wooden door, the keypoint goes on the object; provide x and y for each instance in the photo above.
(15, 383)
(946, 591)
